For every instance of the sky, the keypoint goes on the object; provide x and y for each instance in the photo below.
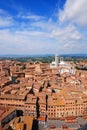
(43, 27)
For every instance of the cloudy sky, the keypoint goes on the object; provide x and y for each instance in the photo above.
(43, 26)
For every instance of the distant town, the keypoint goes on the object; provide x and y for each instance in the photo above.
(43, 93)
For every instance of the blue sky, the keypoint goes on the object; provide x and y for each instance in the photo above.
(43, 26)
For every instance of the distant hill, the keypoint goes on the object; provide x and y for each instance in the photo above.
(42, 55)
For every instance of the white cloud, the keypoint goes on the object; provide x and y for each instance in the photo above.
(69, 33)
(5, 19)
(33, 17)
(31, 42)
(38, 35)
(23, 42)
(30, 16)
(44, 25)
(75, 11)
(33, 33)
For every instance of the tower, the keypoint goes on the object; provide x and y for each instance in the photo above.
(57, 60)
(61, 59)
